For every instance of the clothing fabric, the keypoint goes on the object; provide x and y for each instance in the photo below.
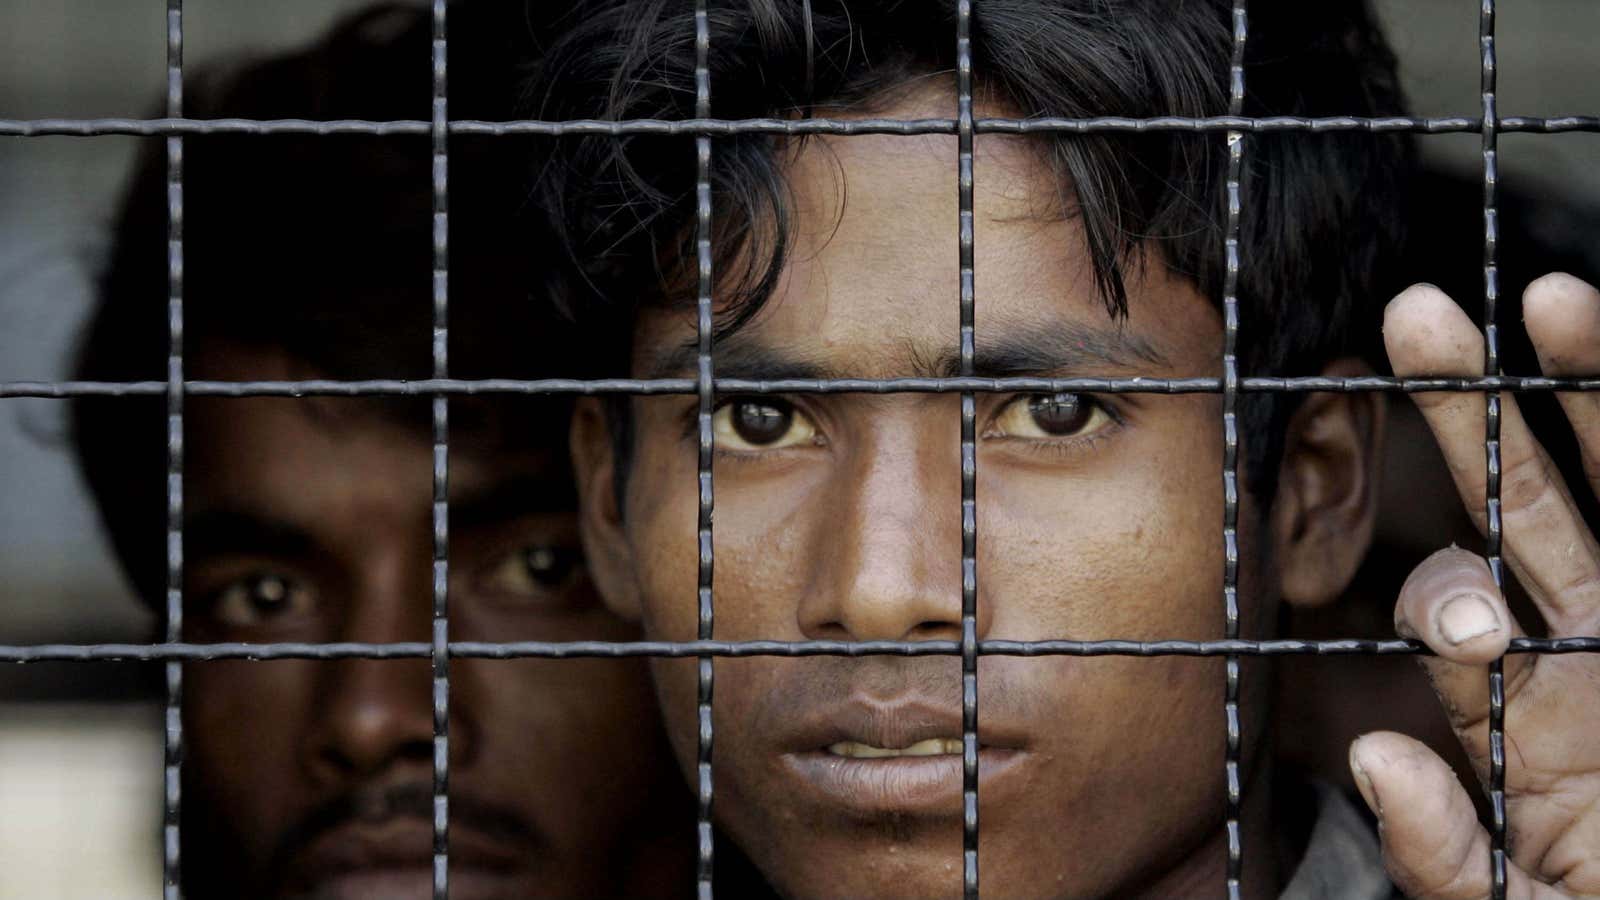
(1343, 860)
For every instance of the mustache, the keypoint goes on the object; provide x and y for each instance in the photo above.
(412, 799)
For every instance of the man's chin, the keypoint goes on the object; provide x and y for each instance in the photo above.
(906, 873)
(887, 860)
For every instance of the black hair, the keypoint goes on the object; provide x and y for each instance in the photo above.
(321, 247)
(1323, 214)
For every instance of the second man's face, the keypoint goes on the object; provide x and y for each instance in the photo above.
(838, 517)
(311, 520)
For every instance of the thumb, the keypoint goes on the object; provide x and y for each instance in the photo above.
(1433, 846)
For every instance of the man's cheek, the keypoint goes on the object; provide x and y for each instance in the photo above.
(1093, 562)
(247, 774)
(676, 682)
(666, 561)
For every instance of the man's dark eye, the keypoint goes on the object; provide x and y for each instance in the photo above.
(1059, 414)
(549, 566)
(256, 599)
(532, 574)
(1044, 417)
(760, 423)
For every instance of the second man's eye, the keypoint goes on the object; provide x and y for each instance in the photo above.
(260, 599)
(533, 573)
(1041, 416)
(758, 423)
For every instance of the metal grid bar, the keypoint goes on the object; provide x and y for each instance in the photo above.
(969, 456)
(1230, 460)
(174, 651)
(440, 649)
(172, 776)
(65, 127)
(1491, 442)
(29, 653)
(704, 385)
(656, 386)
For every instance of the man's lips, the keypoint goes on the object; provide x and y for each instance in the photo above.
(892, 724)
(867, 758)
(403, 847)
(383, 833)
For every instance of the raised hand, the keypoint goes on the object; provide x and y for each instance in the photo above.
(1434, 847)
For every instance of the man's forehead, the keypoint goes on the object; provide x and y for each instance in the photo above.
(306, 456)
(869, 287)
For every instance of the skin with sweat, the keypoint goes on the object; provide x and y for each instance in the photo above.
(837, 517)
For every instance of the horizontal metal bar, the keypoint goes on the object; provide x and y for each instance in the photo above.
(457, 386)
(27, 653)
(70, 127)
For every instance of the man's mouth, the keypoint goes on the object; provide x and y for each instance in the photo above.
(934, 746)
(866, 758)
(394, 859)
(378, 842)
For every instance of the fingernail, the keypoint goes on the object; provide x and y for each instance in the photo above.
(1465, 617)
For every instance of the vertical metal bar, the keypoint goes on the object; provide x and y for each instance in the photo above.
(172, 777)
(1230, 455)
(441, 460)
(1491, 439)
(969, 460)
(703, 330)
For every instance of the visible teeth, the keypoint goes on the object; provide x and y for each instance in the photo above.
(928, 747)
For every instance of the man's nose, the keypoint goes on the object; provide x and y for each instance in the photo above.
(376, 715)
(890, 556)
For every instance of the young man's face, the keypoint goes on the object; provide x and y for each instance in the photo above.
(837, 517)
(310, 520)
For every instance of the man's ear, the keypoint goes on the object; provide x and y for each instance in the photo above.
(605, 544)
(1322, 519)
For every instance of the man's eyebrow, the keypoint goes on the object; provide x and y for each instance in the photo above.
(505, 500)
(737, 356)
(1053, 348)
(224, 530)
(1004, 350)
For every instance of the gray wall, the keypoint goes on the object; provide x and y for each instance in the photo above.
(81, 58)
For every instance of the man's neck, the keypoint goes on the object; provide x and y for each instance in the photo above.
(1270, 853)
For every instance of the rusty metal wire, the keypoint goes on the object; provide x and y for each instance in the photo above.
(1235, 128)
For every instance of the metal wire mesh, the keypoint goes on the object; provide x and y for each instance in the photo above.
(1234, 128)
(439, 651)
(173, 740)
(705, 673)
(1230, 459)
(1491, 444)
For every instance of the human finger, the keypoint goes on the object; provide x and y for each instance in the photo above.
(1545, 540)
(1562, 314)
(1433, 846)
(1451, 603)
